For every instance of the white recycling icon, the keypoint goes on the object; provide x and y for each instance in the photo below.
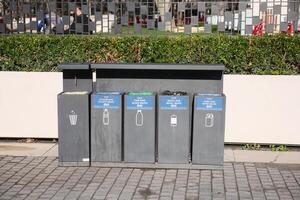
(105, 117)
(139, 118)
(73, 118)
(173, 120)
(209, 120)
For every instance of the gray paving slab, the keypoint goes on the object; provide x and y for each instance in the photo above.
(53, 151)
(39, 177)
(230, 155)
(288, 158)
(255, 156)
(25, 149)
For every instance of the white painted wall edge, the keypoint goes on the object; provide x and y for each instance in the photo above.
(260, 109)
(28, 104)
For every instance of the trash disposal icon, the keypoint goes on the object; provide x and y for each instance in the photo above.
(73, 118)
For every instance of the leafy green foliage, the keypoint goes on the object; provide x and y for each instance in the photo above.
(251, 147)
(277, 54)
(258, 147)
(281, 147)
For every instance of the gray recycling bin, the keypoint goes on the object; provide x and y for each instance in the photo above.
(74, 115)
(140, 141)
(173, 129)
(139, 127)
(208, 130)
(106, 127)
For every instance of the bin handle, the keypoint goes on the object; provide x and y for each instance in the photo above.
(75, 80)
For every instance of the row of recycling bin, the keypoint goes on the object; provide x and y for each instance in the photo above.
(141, 127)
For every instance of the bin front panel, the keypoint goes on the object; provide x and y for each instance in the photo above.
(208, 131)
(106, 127)
(73, 128)
(139, 129)
(173, 129)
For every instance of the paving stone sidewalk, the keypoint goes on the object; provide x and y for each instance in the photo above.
(40, 178)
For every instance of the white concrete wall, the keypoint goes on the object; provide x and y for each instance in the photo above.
(261, 109)
(28, 104)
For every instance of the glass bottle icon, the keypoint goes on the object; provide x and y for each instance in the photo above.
(209, 120)
(139, 118)
(105, 117)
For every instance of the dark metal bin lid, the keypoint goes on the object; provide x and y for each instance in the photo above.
(108, 93)
(145, 93)
(210, 94)
(161, 66)
(74, 66)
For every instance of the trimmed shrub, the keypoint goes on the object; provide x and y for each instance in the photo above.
(277, 54)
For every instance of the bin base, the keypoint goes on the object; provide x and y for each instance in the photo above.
(155, 165)
(74, 164)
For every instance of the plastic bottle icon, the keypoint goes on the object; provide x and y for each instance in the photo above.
(209, 120)
(139, 118)
(173, 120)
(105, 117)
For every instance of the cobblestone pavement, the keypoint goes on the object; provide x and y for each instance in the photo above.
(41, 178)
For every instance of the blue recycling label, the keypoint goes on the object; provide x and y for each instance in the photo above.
(107, 101)
(209, 103)
(140, 102)
(173, 102)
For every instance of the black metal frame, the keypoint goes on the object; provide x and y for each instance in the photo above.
(135, 16)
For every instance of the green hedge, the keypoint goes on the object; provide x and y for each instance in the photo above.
(278, 54)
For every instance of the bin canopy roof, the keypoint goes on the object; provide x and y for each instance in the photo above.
(74, 66)
(161, 66)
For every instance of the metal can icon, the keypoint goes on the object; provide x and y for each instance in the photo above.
(105, 117)
(173, 120)
(209, 120)
(73, 118)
